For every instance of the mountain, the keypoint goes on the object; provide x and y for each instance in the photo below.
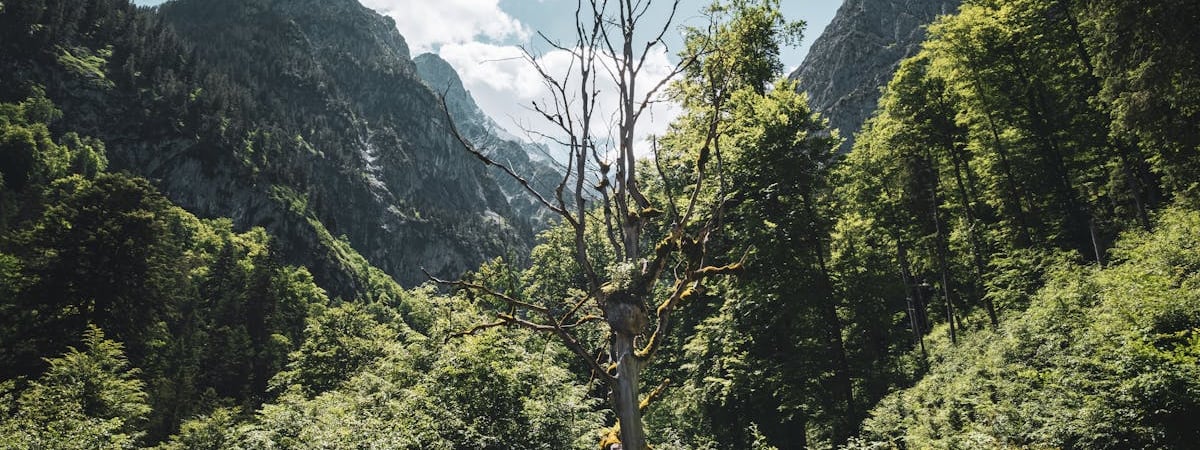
(184, 193)
(856, 55)
(531, 161)
(305, 117)
(386, 171)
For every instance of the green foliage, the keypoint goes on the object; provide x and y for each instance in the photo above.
(496, 390)
(778, 156)
(338, 342)
(743, 50)
(85, 64)
(88, 157)
(86, 399)
(208, 315)
(1000, 156)
(554, 272)
(769, 365)
(209, 432)
(1102, 358)
(1015, 277)
(109, 237)
(113, 252)
(1145, 55)
(30, 155)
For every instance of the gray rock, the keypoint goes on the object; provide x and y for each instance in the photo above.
(857, 54)
(529, 160)
(366, 151)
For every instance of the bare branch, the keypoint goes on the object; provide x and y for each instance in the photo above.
(554, 43)
(476, 329)
(672, 208)
(728, 269)
(654, 395)
(658, 39)
(568, 340)
(598, 14)
(575, 308)
(583, 321)
(611, 231)
(489, 162)
(701, 167)
(678, 69)
(684, 289)
(481, 288)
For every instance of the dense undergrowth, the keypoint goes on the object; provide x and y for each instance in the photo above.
(1101, 358)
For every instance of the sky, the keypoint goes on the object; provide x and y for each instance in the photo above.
(482, 40)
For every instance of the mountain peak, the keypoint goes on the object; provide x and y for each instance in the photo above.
(433, 69)
(341, 19)
(857, 54)
(444, 81)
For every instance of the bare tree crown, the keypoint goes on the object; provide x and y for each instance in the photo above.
(602, 161)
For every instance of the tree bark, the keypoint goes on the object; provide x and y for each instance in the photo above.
(942, 250)
(976, 243)
(1012, 202)
(911, 295)
(625, 400)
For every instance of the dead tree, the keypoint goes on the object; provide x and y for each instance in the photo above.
(603, 160)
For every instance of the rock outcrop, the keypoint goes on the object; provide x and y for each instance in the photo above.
(857, 54)
(342, 138)
(526, 159)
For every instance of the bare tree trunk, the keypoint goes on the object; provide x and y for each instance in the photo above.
(625, 393)
(973, 232)
(912, 295)
(942, 249)
(1013, 200)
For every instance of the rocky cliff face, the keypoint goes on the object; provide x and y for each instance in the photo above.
(528, 160)
(343, 139)
(858, 53)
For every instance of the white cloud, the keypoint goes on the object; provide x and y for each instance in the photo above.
(428, 24)
(475, 37)
(505, 85)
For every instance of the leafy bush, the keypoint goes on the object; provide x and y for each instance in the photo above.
(1102, 358)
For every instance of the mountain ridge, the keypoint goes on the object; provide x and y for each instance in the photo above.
(526, 159)
(851, 62)
(368, 152)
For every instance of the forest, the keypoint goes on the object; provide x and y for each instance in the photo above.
(1008, 257)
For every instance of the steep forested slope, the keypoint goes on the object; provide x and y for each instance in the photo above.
(308, 119)
(958, 246)
(1004, 161)
(206, 315)
(1101, 358)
